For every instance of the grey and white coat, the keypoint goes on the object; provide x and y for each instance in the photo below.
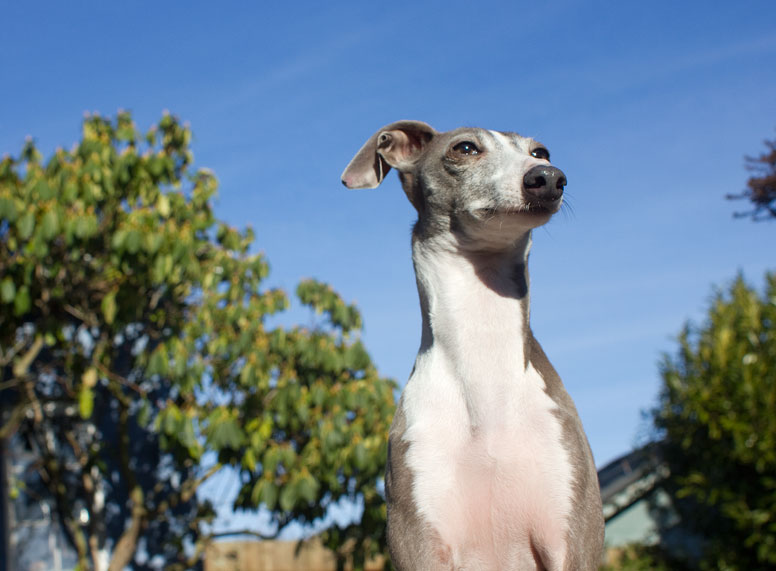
(489, 467)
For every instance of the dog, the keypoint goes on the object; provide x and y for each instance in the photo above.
(489, 467)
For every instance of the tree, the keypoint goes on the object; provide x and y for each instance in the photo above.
(638, 557)
(716, 414)
(761, 189)
(134, 346)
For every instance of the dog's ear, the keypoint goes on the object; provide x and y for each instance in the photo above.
(397, 145)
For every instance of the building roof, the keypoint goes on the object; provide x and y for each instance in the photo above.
(630, 477)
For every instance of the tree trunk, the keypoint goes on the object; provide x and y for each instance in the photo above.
(127, 543)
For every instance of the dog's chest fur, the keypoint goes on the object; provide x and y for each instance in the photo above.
(490, 473)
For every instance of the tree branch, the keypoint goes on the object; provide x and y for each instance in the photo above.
(191, 486)
(12, 353)
(78, 314)
(21, 366)
(265, 536)
(127, 543)
(188, 489)
(16, 416)
(120, 379)
(90, 487)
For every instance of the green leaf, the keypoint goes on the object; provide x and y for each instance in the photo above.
(360, 456)
(132, 242)
(49, 224)
(85, 226)
(163, 205)
(357, 357)
(256, 492)
(21, 303)
(249, 459)
(85, 402)
(225, 433)
(45, 192)
(187, 437)
(117, 242)
(269, 494)
(265, 429)
(288, 497)
(109, 307)
(69, 191)
(25, 225)
(159, 361)
(270, 461)
(8, 209)
(307, 488)
(169, 420)
(144, 414)
(7, 290)
(152, 242)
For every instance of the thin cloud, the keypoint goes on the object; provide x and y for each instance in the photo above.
(310, 61)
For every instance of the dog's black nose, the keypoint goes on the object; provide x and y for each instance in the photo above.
(544, 183)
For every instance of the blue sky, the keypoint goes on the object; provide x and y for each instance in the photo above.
(648, 107)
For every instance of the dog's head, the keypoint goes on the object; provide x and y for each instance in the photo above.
(479, 183)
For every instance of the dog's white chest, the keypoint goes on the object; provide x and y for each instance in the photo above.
(495, 490)
(490, 474)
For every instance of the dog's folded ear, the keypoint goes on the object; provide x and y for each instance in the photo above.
(397, 145)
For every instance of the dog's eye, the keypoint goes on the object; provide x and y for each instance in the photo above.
(541, 153)
(466, 148)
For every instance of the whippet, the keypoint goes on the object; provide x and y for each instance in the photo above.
(488, 464)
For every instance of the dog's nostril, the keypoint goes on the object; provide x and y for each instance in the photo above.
(561, 183)
(535, 182)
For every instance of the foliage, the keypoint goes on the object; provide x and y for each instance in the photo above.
(761, 189)
(716, 412)
(637, 557)
(134, 346)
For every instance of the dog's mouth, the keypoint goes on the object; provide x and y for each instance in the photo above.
(544, 206)
(533, 208)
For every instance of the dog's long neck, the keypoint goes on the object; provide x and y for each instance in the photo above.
(475, 308)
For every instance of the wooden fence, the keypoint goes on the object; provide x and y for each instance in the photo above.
(273, 556)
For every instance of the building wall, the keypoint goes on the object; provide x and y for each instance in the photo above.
(632, 525)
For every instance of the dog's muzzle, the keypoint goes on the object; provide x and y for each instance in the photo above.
(543, 185)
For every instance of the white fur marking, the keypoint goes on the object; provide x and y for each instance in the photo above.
(478, 420)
